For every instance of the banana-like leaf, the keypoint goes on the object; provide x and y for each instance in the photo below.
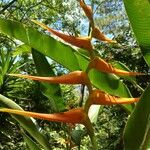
(99, 79)
(137, 130)
(138, 12)
(51, 91)
(27, 123)
(30, 143)
(41, 42)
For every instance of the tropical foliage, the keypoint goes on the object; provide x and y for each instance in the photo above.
(108, 82)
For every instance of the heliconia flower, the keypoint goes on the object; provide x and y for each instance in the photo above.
(96, 33)
(103, 66)
(87, 10)
(72, 116)
(81, 42)
(76, 77)
(100, 98)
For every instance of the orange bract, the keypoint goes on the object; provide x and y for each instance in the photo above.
(88, 10)
(103, 66)
(72, 116)
(100, 98)
(96, 33)
(81, 42)
(76, 77)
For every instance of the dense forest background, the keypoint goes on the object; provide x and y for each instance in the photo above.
(67, 16)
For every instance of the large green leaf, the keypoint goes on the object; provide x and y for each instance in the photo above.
(30, 143)
(27, 123)
(116, 87)
(137, 130)
(43, 43)
(51, 91)
(139, 15)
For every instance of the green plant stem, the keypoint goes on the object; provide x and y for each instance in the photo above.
(91, 54)
(147, 141)
(91, 134)
(89, 86)
(87, 104)
(139, 87)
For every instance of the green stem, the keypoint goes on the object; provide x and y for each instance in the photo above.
(92, 54)
(147, 141)
(139, 86)
(89, 86)
(87, 104)
(91, 134)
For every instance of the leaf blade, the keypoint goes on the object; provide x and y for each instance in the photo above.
(41, 42)
(138, 12)
(138, 121)
(51, 91)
